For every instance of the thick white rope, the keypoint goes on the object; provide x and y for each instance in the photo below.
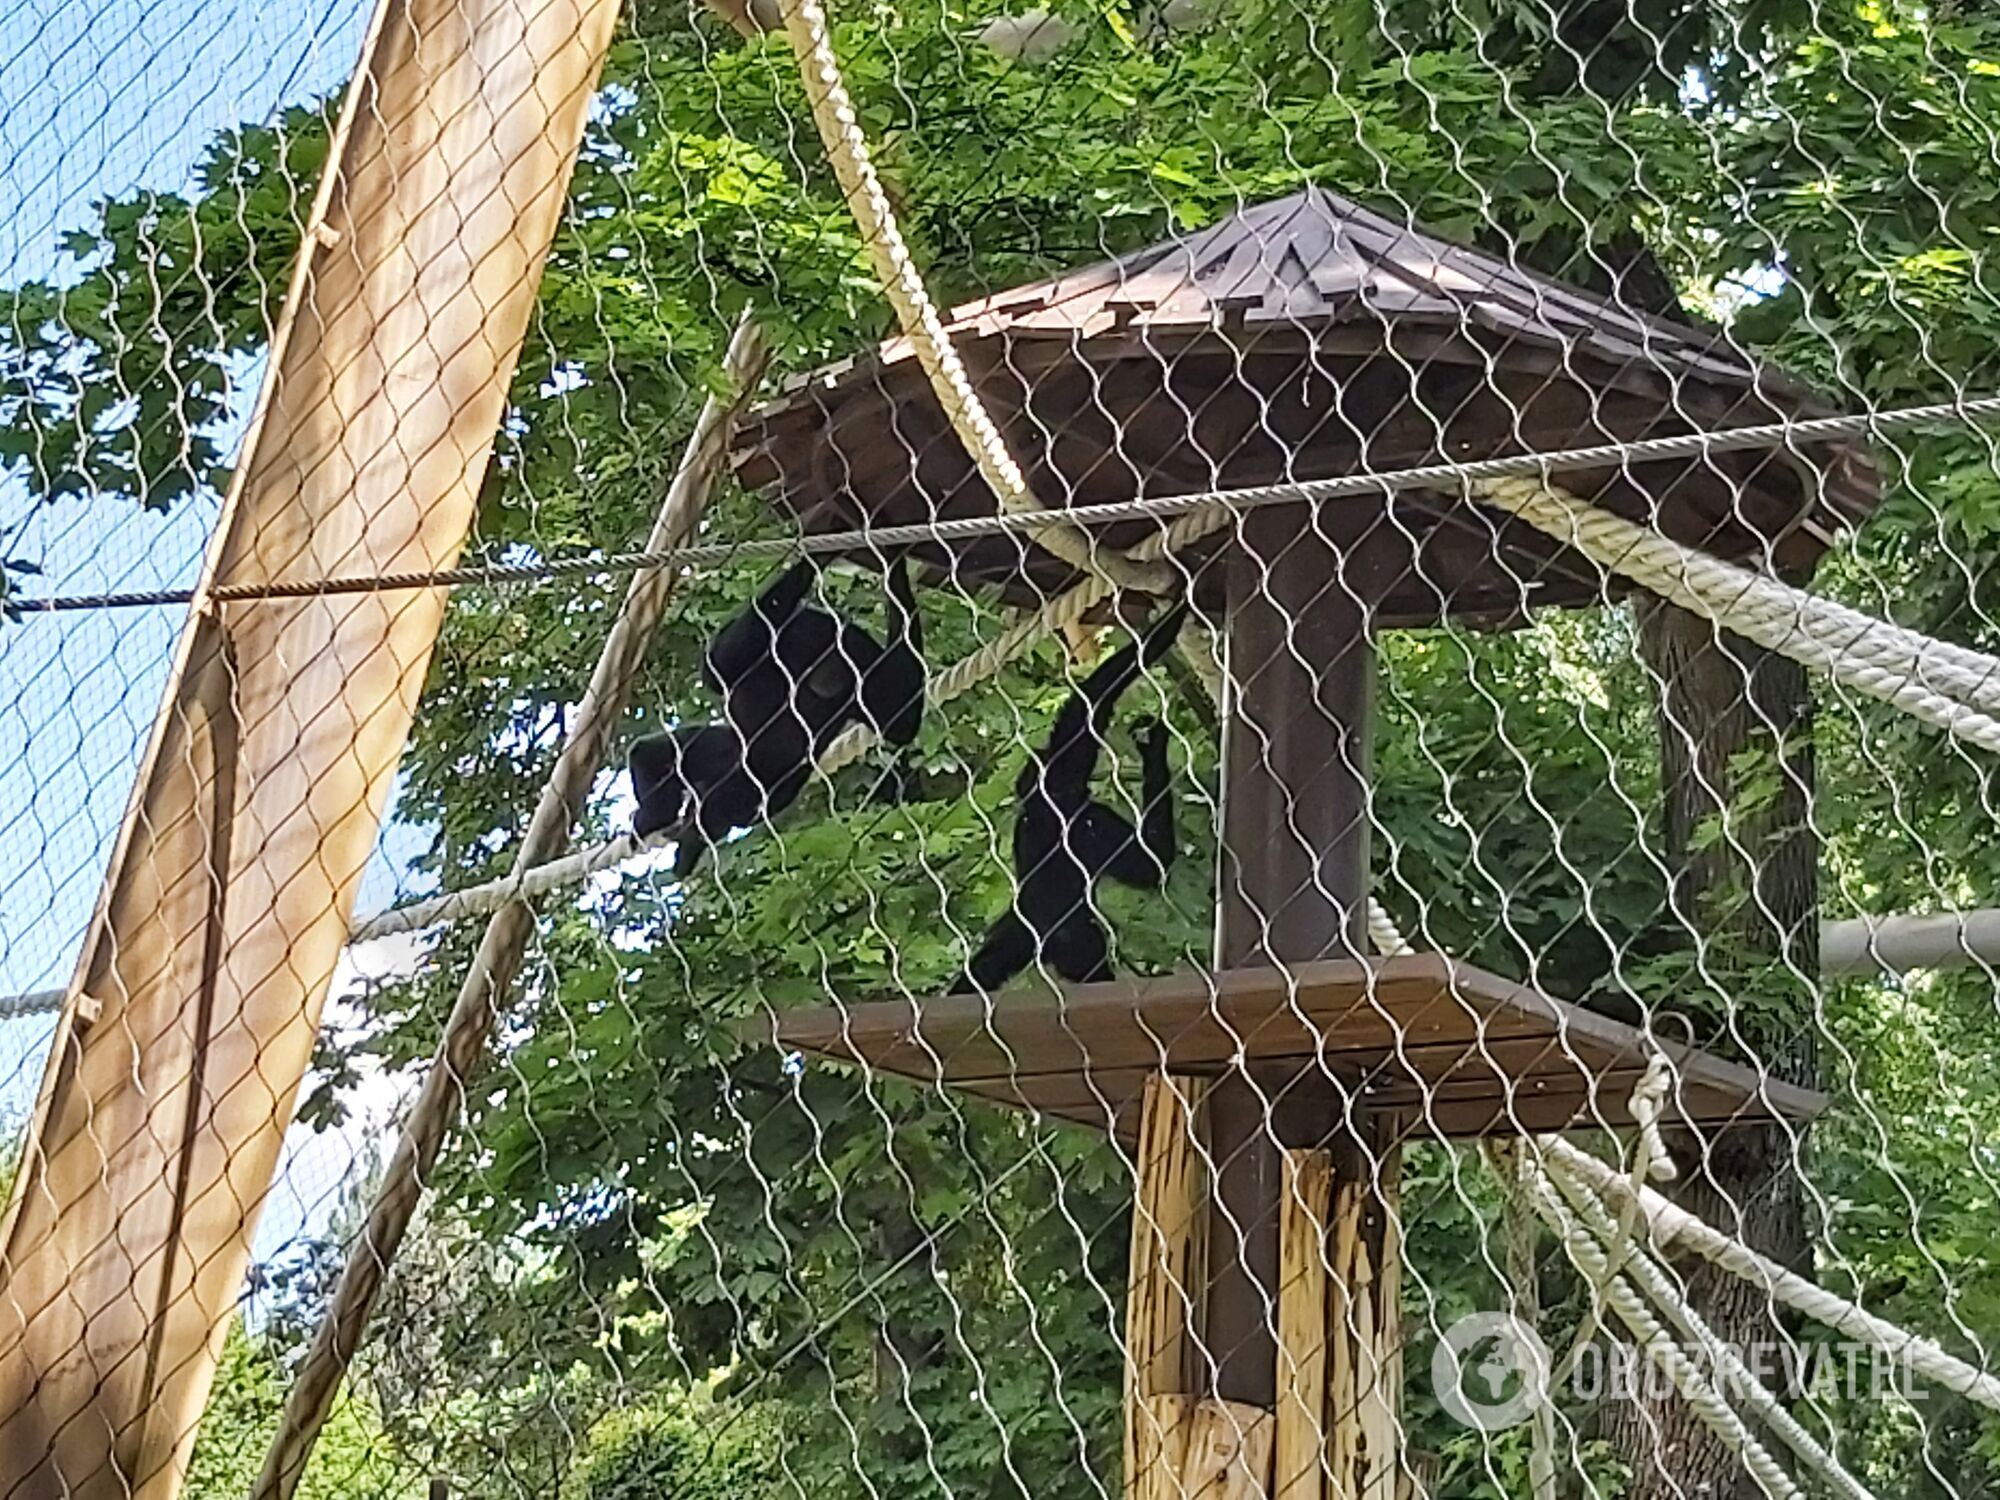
(847, 151)
(1651, 1161)
(1736, 1377)
(1670, 1224)
(1967, 674)
(1653, 1339)
(1383, 935)
(954, 681)
(1953, 688)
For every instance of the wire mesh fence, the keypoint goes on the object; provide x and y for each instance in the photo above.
(1359, 863)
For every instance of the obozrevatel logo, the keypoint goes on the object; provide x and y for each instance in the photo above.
(1490, 1371)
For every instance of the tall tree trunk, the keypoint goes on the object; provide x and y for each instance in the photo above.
(1750, 894)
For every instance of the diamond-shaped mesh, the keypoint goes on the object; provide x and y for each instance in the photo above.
(1433, 938)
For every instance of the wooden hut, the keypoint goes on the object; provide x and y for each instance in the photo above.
(1266, 1100)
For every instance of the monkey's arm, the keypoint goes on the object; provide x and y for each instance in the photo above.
(1157, 830)
(657, 784)
(1140, 858)
(1008, 948)
(670, 770)
(751, 639)
(892, 689)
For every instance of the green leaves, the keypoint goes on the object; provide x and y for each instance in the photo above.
(658, 1191)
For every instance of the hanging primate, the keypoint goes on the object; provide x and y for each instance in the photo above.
(1064, 838)
(791, 677)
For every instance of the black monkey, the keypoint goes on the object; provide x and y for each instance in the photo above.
(1064, 838)
(791, 677)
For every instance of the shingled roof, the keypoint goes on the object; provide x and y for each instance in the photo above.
(1307, 338)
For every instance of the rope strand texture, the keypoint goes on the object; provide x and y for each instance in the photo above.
(1944, 686)
(1670, 1224)
(847, 151)
(1654, 1340)
(1736, 1377)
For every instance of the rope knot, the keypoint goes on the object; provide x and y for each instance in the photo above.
(1651, 1159)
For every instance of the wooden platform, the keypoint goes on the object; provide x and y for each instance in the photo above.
(1457, 1051)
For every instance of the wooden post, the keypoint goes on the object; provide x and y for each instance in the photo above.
(193, 1011)
(1298, 1465)
(1294, 874)
(1364, 1322)
(1752, 896)
(1228, 1452)
(461, 1049)
(1166, 1228)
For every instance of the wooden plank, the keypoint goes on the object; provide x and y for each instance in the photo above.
(1160, 1287)
(1334, 1006)
(1364, 1317)
(1169, 1423)
(1477, 1118)
(1306, 1112)
(1228, 1452)
(1382, 1409)
(1299, 1443)
(260, 794)
(1397, 1029)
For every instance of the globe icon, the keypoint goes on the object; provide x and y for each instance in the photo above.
(1490, 1370)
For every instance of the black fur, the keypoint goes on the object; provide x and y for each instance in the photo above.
(1064, 839)
(791, 677)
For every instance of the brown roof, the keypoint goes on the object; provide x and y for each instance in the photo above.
(1305, 338)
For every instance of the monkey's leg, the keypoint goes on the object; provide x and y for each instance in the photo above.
(1008, 949)
(1078, 950)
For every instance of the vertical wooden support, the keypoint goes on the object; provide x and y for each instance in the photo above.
(1294, 872)
(1300, 1444)
(1731, 713)
(1364, 1324)
(1296, 755)
(169, 1088)
(1519, 1236)
(1295, 889)
(1166, 1225)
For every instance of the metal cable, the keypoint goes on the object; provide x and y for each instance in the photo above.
(884, 538)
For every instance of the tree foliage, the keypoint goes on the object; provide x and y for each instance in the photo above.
(922, 1294)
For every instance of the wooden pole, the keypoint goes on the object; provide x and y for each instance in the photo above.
(1299, 1462)
(1748, 899)
(1165, 1253)
(1294, 873)
(461, 1050)
(191, 1019)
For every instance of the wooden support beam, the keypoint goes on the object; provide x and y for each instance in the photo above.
(1162, 1292)
(1299, 1471)
(1364, 1318)
(1294, 872)
(461, 1049)
(261, 791)
(1744, 860)
(1228, 1452)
